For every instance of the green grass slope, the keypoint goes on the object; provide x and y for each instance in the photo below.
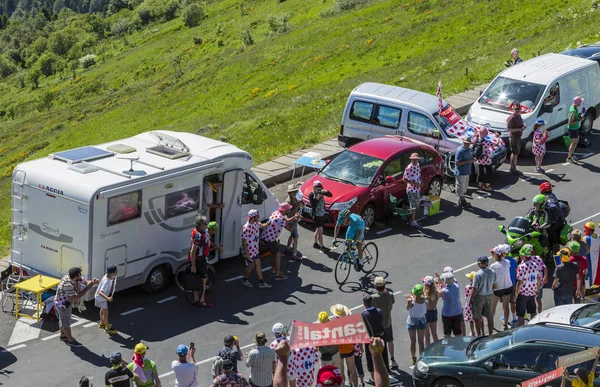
(285, 91)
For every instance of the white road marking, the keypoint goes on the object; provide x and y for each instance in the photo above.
(585, 156)
(166, 299)
(533, 173)
(54, 336)
(239, 277)
(465, 267)
(131, 311)
(483, 195)
(10, 349)
(550, 170)
(25, 329)
(91, 324)
(583, 220)
(384, 231)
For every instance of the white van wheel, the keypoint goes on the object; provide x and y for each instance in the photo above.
(586, 125)
(157, 280)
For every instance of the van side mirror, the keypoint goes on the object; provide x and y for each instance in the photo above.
(435, 134)
(548, 108)
(258, 196)
(389, 180)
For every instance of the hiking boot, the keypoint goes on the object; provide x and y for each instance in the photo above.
(246, 283)
(264, 285)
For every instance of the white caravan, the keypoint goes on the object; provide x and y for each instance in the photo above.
(130, 203)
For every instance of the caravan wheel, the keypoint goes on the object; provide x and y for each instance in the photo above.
(157, 280)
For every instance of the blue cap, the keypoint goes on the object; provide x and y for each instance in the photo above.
(540, 121)
(115, 357)
(182, 350)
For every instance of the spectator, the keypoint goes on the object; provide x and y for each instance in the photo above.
(384, 299)
(577, 236)
(543, 275)
(504, 250)
(358, 351)
(574, 126)
(485, 169)
(540, 135)
(505, 289)
(462, 171)
(330, 354)
(305, 361)
(118, 375)
(583, 378)
(85, 382)
(104, 295)
(484, 284)
(468, 309)
(529, 281)
(230, 377)
(514, 54)
(279, 332)
(297, 205)
(270, 236)
(449, 269)
(416, 323)
(593, 243)
(431, 316)
(211, 187)
(374, 318)
(250, 249)
(346, 350)
(199, 250)
(330, 375)
(566, 279)
(231, 351)
(68, 291)
(261, 361)
(147, 366)
(186, 374)
(412, 177)
(317, 203)
(581, 262)
(452, 316)
(515, 127)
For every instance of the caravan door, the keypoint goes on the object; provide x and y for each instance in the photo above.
(231, 215)
(117, 256)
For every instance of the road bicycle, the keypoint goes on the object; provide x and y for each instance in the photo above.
(182, 278)
(349, 259)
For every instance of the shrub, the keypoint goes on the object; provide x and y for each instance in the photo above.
(33, 77)
(48, 64)
(345, 5)
(246, 38)
(158, 10)
(197, 40)
(115, 6)
(145, 13)
(87, 61)
(7, 66)
(120, 27)
(60, 42)
(278, 24)
(46, 99)
(193, 14)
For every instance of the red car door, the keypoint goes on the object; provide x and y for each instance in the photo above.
(392, 171)
(429, 167)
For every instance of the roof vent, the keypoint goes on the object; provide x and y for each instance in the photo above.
(121, 148)
(168, 146)
(83, 168)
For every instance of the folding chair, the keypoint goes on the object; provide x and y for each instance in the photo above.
(449, 166)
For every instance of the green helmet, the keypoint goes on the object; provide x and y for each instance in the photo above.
(539, 199)
(213, 226)
(345, 214)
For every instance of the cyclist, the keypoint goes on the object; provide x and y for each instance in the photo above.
(198, 254)
(354, 232)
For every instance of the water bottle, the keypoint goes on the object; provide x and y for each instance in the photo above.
(41, 282)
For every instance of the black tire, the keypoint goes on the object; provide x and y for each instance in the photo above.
(368, 214)
(186, 268)
(526, 148)
(587, 124)
(435, 187)
(343, 266)
(447, 382)
(157, 280)
(370, 257)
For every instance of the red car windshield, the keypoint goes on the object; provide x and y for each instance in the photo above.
(352, 168)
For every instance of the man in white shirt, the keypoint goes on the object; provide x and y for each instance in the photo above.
(211, 186)
(186, 374)
(504, 290)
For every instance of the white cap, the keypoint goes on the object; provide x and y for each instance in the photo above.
(278, 329)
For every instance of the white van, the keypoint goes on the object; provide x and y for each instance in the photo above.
(130, 203)
(376, 110)
(545, 86)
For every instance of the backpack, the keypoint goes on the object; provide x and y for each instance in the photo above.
(217, 363)
(477, 150)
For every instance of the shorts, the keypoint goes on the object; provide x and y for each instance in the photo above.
(256, 385)
(431, 316)
(541, 293)
(413, 199)
(269, 246)
(201, 267)
(351, 232)
(102, 303)
(388, 334)
(346, 355)
(319, 221)
(462, 185)
(482, 307)
(416, 324)
(252, 259)
(526, 304)
(64, 317)
(515, 144)
(294, 232)
(504, 292)
(574, 133)
(452, 324)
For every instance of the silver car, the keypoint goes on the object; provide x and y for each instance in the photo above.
(586, 315)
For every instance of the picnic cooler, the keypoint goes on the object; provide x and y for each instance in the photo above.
(435, 201)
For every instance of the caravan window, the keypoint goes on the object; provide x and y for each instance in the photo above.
(182, 202)
(124, 207)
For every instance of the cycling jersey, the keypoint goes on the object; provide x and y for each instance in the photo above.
(202, 240)
(356, 223)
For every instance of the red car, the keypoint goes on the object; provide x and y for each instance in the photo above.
(362, 176)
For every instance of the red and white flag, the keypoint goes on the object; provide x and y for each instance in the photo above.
(439, 96)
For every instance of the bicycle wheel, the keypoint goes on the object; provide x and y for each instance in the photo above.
(342, 268)
(211, 275)
(370, 257)
(180, 274)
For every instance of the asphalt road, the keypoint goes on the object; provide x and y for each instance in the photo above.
(163, 321)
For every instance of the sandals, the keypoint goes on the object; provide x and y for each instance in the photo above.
(204, 304)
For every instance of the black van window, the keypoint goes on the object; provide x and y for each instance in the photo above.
(361, 111)
(124, 207)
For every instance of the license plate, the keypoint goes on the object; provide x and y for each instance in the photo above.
(308, 211)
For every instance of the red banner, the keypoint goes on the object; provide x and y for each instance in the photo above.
(344, 330)
(544, 378)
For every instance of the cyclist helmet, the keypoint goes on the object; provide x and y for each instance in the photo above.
(545, 187)
(539, 199)
(213, 226)
(344, 214)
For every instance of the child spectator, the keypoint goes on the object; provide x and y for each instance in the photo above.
(431, 315)
(540, 135)
(416, 321)
(104, 295)
(468, 311)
